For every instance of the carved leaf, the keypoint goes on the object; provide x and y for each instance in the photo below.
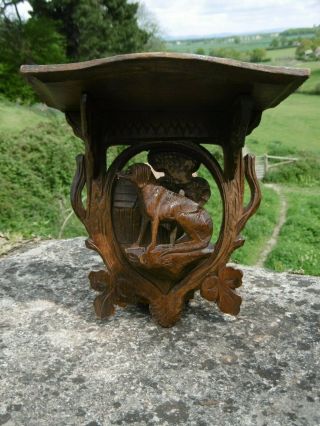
(221, 289)
(231, 276)
(210, 288)
(229, 301)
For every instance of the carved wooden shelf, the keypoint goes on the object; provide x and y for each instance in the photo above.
(154, 234)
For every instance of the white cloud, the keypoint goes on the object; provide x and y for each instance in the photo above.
(179, 18)
(202, 17)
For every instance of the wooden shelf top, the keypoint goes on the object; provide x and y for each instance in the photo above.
(161, 81)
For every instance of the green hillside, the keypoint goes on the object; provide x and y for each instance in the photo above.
(295, 123)
(15, 117)
(36, 167)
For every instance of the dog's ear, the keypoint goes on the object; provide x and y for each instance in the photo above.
(147, 173)
(143, 174)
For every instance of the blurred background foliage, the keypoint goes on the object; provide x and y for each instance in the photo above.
(59, 31)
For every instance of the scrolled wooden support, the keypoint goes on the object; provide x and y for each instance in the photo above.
(255, 192)
(104, 304)
(77, 186)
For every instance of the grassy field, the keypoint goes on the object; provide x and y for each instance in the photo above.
(15, 117)
(282, 55)
(275, 57)
(295, 123)
(36, 168)
(312, 85)
(258, 229)
(240, 43)
(191, 46)
(298, 245)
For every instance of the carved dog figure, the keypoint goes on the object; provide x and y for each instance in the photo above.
(159, 204)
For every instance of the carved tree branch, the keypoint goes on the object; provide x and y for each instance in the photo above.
(77, 186)
(255, 191)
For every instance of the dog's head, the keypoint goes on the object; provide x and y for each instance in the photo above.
(140, 174)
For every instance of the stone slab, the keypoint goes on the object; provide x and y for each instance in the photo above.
(59, 365)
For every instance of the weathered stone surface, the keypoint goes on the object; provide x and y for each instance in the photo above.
(61, 366)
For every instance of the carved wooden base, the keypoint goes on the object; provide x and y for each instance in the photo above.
(159, 253)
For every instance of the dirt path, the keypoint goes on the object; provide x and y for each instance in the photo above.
(282, 218)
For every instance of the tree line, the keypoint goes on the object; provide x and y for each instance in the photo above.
(58, 31)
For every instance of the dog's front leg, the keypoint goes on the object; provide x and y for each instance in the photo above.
(173, 236)
(143, 228)
(154, 233)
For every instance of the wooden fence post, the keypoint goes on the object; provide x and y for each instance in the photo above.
(265, 158)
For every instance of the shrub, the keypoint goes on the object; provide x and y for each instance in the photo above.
(305, 171)
(258, 55)
(36, 169)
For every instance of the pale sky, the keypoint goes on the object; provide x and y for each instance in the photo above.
(181, 18)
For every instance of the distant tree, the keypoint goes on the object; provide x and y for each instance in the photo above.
(148, 23)
(301, 31)
(258, 55)
(94, 28)
(200, 51)
(274, 43)
(304, 45)
(308, 48)
(66, 30)
(25, 42)
(237, 40)
(283, 41)
(226, 52)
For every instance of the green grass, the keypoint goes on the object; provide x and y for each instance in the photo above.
(298, 245)
(312, 85)
(295, 123)
(281, 55)
(36, 169)
(258, 229)
(305, 172)
(15, 117)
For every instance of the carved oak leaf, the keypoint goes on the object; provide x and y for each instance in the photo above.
(220, 289)
(104, 303)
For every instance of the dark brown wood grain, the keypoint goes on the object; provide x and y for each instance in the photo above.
(157, 81)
